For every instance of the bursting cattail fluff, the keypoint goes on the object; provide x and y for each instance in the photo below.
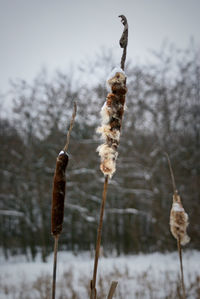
(112, 113)
(179, 221)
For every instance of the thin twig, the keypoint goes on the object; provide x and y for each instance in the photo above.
(124, 40)
(55, 266)
(70, 127)
(98, 244)
(181, 266)
(112, 289)
(172, 174)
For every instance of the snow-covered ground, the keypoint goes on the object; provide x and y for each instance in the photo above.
(139, 276)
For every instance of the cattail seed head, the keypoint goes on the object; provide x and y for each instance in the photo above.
(179, 220)
(59, 181)
(112, 113)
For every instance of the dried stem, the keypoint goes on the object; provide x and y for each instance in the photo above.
(70, 127)
(181, 266)
(172, 174)
(112, 289)
(98, 244)
(124, 40)
(55, 266)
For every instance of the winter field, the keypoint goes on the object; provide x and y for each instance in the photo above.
(153, 276)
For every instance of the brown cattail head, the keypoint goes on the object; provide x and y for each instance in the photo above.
(59, 182)
(179, 220)
(112, 113)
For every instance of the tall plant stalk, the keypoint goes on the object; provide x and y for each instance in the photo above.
(112, 113)
(178, 224)
(98, 244)
(181, 266)
(57, 212)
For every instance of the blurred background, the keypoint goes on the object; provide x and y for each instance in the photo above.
(55, 53)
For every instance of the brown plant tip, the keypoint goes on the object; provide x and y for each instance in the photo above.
(179, 221)
(59, 182)
(124, 40)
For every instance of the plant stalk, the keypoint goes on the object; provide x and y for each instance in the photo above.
(55, 266)
(98, 243)
(181, 266)
(112, 289)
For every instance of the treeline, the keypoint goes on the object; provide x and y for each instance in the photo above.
(163, 114)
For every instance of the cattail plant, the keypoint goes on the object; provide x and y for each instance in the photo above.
(57, 212)
(111, 113)
(178, 223)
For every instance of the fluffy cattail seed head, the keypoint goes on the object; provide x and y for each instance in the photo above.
(112, 113)
(179, 220)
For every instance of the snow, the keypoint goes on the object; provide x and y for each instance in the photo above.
(177, 207)
(61, 153)
(123, 211)
(114, 71)
(11, 213)
(152, 275)
(112, 74)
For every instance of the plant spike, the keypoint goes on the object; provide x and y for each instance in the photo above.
(178, 223)
(112, 113)
(57, 212)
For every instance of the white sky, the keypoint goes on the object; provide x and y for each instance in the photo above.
(54, 33)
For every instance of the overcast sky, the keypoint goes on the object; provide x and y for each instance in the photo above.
(53, 33)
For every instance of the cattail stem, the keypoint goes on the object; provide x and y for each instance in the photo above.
(112, 289)
(57, 211)
(181, 266)
(98, 244)
(55, 266)
(70, 127)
